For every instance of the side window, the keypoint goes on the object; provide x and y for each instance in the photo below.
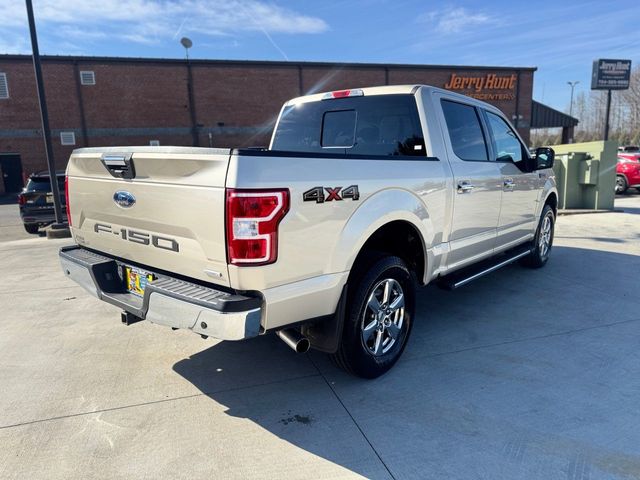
(465, 131)
(506, 144)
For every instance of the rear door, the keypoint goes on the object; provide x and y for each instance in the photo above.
(169, 215)
(520, 189)
(477, 183)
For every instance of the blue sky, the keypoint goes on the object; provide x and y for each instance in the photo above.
(560, 38)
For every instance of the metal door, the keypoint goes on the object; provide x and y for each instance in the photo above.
(477, 184)
(11, 168)
(520, 188)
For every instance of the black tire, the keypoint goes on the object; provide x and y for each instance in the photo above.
(31, 227)
(539, 254)
(372, 358)
(621, 185)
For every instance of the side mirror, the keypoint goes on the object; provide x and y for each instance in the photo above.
(544, 158)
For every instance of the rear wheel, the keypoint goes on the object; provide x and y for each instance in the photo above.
(621, 184)
(31, 227)
(543, 241)
(378, 317)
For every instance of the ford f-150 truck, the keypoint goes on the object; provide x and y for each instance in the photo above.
(323, 237)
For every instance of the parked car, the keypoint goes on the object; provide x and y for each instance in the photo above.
(36, 200)
(627, 173)
(633, 156)
(628, 148)
(322, 238)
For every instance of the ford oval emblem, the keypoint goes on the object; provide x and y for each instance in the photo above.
(124, 199)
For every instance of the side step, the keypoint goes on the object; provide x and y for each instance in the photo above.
(467, 275)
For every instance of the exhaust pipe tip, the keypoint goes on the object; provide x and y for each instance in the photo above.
(294, 339)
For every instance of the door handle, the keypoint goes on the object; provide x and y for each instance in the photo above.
(508, 184)
(465, 187)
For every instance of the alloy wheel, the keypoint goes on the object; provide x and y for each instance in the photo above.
(383, 317)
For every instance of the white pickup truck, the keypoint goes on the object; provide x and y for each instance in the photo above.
(362, 195)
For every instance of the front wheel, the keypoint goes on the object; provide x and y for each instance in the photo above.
(378, 318)
(543, 241)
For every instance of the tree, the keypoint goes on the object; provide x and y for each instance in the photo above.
(590, 109)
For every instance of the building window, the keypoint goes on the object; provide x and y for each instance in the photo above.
(4, 86)
(67, 138)
(154, 143)
(87, 77)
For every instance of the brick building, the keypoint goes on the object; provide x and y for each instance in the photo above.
(95, 101)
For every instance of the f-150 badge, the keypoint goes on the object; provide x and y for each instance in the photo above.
(317, 194)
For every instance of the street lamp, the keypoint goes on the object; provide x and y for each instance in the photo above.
(572, 85)
(187, 44)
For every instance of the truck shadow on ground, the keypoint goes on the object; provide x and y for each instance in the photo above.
(485, 377)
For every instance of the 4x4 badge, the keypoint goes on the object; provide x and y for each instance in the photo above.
(317, 194)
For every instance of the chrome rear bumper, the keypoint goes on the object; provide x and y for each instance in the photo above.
(167, 300)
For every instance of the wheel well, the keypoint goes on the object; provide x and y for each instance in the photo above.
(398, 238)
(552, 200)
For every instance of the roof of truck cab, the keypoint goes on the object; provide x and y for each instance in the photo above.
(391, 90)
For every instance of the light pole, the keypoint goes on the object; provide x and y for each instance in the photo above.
(572, 85)
(58, 224)
(187, 44)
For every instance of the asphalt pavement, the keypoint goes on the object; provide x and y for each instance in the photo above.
(523, 374)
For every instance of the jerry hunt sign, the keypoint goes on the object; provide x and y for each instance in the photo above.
(487, 87)
(610, 74)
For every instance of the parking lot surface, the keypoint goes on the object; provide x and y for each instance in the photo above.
(11, 227)
(521, 374)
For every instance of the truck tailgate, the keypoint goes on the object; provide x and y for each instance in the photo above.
(169, 216)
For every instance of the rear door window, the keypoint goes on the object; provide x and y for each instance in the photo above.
(386, 125)
(465, 131)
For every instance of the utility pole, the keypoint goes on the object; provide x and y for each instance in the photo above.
(572, 85)
(606, 119)
(44, 114)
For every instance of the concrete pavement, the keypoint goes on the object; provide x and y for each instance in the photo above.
(522, 374)
(11, 227)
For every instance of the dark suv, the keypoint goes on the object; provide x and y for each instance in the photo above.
(36, 201)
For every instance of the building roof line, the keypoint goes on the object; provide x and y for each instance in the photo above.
(264, 63)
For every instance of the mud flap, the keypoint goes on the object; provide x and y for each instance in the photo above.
(325, 334)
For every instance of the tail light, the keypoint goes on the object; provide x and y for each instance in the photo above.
(22, 199)
(66, 198)
(252, 225)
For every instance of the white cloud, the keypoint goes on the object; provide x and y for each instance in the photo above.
(151, 21)
(455, 19)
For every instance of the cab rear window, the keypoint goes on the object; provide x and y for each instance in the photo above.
(386, 125)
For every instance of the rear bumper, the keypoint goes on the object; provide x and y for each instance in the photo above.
(167, 300)
(40, 217)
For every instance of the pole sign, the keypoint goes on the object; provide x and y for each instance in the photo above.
(610, 74)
